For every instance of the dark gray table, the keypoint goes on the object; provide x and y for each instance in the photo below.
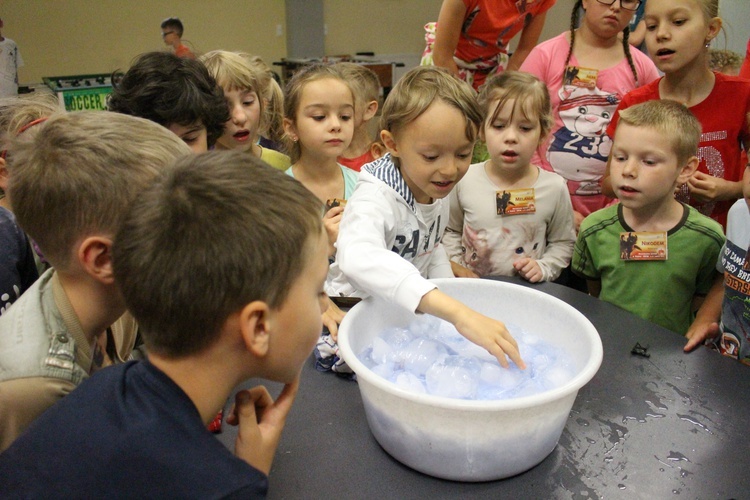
(674, 425)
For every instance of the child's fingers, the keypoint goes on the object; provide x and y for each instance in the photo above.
(249, 405)
(334, 212)
(330, 323)
(284, 402)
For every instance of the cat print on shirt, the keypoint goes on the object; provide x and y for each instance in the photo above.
(492, 253)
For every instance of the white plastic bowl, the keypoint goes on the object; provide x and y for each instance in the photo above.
(473, 440)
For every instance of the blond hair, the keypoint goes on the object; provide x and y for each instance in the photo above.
(81, 171)
(243, 231)
(293, 96)
(419, 88)
(364, 82)
(529, 93)
(671, 119)
(232, 71)
(724, 61)
(272, 125)
(17, 113)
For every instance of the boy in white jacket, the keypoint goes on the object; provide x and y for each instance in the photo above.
(389, 237)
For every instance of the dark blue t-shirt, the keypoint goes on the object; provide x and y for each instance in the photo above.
(17, 267)
(127, 432)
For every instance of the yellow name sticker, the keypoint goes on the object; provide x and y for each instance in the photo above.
(581, 77)
(643, 245)
(515, 201)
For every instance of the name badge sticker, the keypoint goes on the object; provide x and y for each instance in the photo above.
(581, 77)
(643, 245)
(515, 202)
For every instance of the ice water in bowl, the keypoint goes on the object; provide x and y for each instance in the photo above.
(429, 356)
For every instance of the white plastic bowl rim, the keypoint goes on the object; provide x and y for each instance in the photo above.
(579, 380)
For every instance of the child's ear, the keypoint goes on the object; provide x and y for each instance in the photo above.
(370, 111)
(687, 170)
(255, 327)
(389, 142)
(290, 129)
(95, 256)
(714, 28)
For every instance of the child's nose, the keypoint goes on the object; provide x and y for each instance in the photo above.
(662, 31)
(238, 115)
(629, 168)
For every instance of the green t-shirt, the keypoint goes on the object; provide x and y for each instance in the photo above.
(659, 291)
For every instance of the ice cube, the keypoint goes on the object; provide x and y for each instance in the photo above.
(385, 370)
(556, 376)
(410, 382)
(456, 377)
(420, 354)
(397, 338)
(381, 351)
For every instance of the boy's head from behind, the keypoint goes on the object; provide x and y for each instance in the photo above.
(175, 92)
(366, 89)
(222, 231)
(79, 174)
(529, 95)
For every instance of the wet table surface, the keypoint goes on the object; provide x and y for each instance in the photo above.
(672, 425)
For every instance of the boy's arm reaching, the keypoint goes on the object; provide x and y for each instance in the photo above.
(260, 420)
(478, 328)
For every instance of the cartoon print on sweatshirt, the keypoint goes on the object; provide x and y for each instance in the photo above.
(579, 149)
(492, 253)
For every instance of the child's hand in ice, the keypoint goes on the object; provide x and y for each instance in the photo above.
(492, 335)
(528, 269)
(488, 333)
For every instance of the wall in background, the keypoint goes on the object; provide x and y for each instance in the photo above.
(64, 37)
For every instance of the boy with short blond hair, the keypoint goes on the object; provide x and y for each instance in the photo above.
(71, 185)
(216, 308)
(365, 87)
(650, 254)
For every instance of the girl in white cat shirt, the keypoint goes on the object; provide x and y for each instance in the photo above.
(508, 216)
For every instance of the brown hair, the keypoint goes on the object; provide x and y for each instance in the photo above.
(81, 172)
(221, 230)
(529, 93)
